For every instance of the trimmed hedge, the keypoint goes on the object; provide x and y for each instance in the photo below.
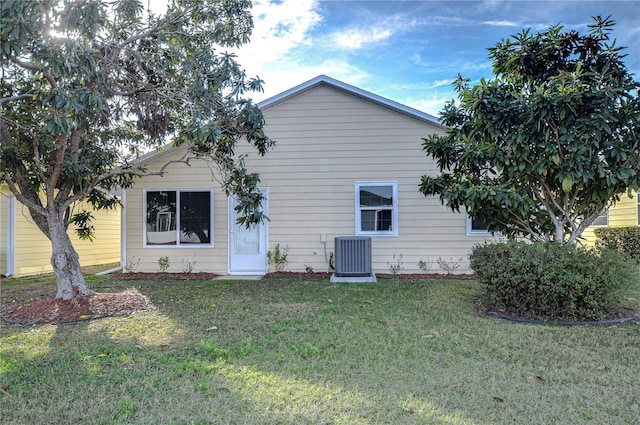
(625, 240)
(550, 281)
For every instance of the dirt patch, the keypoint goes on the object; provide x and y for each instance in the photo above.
(56, 311)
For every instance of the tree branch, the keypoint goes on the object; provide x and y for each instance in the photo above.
(74, 156)
(19, 196)
(170, 19)
(81, 194)
(15, 98)
(56, 167)
(33, 67)
(36, 159)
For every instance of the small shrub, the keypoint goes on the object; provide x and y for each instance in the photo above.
(396, 266)
(625, 240)
(425, 266)
(131, 264)
(189, 265)
(449, 266)
(163, 264)
(278, 258)
(551, 281)
(308, 269)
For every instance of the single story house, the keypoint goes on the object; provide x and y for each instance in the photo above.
(346, 163)
(25, 250)
(625, 212)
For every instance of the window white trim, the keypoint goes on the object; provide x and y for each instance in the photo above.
(393, 208)
(476, 232)
(178, 190)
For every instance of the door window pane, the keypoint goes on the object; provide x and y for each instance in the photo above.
(247, 240)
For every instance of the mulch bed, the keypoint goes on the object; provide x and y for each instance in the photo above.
(378, 275)
(315, 275)
(56, 311)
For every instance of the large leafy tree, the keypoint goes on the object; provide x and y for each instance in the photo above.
(88, 85)
(546, 145)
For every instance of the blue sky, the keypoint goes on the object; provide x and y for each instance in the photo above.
(408, 51)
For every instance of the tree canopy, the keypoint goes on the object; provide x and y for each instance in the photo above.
(548, 143)
(87, 86)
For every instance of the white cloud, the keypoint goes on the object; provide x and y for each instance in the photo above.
(284, 76)
(431, 105)
(356, 38)
(386, 27)
(437, 83)
(428, 96)
(634, 30)
(502, 23)
(450, 21)
(278, 28)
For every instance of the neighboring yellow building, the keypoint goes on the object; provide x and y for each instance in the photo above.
(25, 250)
(623, 213)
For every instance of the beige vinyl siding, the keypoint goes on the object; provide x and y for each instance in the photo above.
(326, 142)
(178, 176)
(623, 213)
(33, 248)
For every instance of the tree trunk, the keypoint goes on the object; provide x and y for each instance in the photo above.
(65, 261)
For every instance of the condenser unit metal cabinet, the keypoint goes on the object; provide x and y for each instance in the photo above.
(353, 256)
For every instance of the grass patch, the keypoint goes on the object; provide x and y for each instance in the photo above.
(295, 351)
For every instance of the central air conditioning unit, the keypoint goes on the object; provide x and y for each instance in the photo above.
(353, 256)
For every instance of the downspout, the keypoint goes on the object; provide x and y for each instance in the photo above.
(123, 231)
(11, 235)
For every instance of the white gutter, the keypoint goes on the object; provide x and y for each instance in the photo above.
(115, 269)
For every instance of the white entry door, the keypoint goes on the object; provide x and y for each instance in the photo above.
(247, 247)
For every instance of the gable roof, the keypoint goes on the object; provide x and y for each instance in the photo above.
(323, 80)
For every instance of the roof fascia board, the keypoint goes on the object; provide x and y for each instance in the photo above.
(154, 155)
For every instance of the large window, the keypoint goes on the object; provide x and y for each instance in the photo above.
(377, 208)
(178, 217)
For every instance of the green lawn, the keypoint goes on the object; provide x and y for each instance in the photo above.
(295, 351)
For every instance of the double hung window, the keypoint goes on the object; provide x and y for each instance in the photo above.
(377, 208)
